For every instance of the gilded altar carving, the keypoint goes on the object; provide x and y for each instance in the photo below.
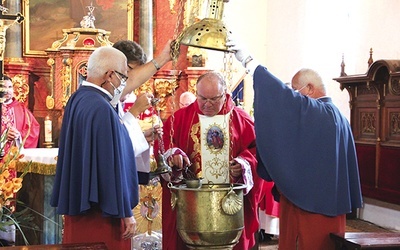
(21, 87)
(192, 85)
(101, 36)
(160, 88)
(164, 88)
(50, 98)
(66, 79)
(147, 87)
(68, 64)
(81, 73)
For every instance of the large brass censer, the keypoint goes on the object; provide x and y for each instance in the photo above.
(210, 216)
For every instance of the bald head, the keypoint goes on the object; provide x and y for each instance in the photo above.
(308, 82)
(211, 82)
(186, 98)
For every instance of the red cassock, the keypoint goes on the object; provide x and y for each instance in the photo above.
(268, 204)
(186, 136)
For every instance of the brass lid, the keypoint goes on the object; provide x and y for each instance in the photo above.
(209, 33)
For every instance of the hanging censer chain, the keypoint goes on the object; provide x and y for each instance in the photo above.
(154, 102)
(162, 166)
(175, 47)
(161, 148)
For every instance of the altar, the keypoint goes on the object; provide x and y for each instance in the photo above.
(36, 192)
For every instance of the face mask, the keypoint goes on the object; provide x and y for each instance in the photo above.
(117, 93)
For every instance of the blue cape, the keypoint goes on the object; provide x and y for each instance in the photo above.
(96, 162)
(306, 147)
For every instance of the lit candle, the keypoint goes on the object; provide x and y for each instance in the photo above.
(47, 130)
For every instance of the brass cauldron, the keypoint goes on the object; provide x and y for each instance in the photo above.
(209, 217)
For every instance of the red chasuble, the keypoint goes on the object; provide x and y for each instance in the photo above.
(17, 115)
(186, 136)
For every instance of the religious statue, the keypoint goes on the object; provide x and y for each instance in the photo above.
(88, 20)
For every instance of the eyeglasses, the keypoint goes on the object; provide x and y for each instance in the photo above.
(121, 77)
(212, 100)
(300, 89)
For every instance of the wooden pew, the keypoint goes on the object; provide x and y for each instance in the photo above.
(362, 240)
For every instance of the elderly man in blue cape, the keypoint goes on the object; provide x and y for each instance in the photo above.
(96, 184)
(305, 145)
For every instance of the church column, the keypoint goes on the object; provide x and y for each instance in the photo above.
(146, 27)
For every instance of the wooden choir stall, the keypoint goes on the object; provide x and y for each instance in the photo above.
(375, 120)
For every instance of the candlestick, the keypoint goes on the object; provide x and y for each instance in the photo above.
(48, 129)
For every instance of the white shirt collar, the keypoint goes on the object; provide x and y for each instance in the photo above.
(86, 83)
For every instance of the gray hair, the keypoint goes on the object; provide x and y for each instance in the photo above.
(103, 59)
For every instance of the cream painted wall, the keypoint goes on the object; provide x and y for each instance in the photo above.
(287, 35)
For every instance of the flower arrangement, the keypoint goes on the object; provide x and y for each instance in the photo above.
(10, 184)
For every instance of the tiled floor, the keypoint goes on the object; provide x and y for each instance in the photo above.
(352, 226)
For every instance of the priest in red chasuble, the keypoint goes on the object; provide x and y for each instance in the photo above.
(17, 121)
(216, 140)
